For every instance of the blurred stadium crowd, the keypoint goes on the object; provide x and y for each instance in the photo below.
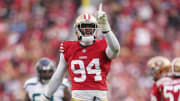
(31, 29)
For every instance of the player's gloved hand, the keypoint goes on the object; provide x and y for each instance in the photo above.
(103, 20)
(44, 98)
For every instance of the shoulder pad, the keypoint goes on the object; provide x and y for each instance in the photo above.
(30, 82)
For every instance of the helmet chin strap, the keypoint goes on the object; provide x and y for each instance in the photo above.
(86, 41)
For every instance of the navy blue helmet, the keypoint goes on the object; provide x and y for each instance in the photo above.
(45, 69)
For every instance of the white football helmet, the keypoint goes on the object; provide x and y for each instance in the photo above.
(175, 67)
(86, 28)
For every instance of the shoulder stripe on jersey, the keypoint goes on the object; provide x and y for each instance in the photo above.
(30, 84)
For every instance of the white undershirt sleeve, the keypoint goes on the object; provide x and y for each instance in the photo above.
(57, 77)
(113, 48)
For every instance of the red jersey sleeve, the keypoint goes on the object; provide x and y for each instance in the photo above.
(155, 94)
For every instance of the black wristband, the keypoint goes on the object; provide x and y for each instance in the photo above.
(46, 97)
(105, 32)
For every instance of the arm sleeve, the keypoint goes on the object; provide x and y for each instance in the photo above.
(57, 77)
(113, 46)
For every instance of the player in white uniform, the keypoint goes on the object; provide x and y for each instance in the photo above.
(36, 86)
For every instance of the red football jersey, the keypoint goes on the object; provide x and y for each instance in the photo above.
(166, 89)
(87, 66)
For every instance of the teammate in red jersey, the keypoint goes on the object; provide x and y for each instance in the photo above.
(87, 60)
(168, 88)
(159, 66)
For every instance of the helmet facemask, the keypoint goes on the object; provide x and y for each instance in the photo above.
(86, 29)
(45, 75)
(87, 32)
(45, 69)
(159, 72)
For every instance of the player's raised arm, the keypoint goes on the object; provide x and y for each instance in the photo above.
(56, 79)
(113, 48)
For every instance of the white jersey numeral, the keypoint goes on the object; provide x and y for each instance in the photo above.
(170, 94)
(82, 70)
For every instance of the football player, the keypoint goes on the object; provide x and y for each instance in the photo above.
(159, 67)
(168, 88)
(36, 86)
(87, 59)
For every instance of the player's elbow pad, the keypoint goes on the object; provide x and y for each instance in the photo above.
(116, 50)
(112, 53)
(116, 53)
